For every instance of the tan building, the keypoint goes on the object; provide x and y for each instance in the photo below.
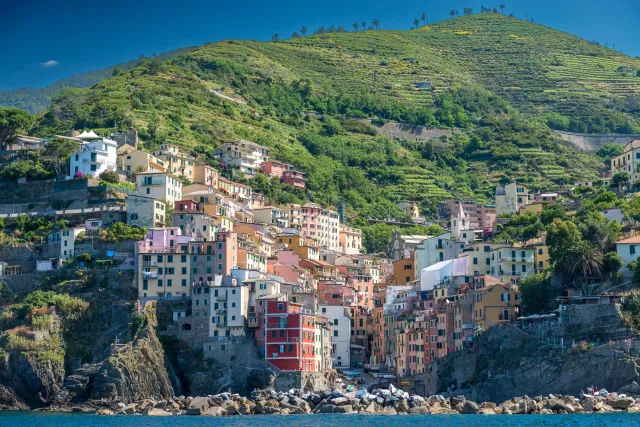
(628, 161)
(350, 240)
(295, 215)
(178, 162)
(496, 304)
(140, 161)
(272, 215)
(145, 212)
(204, 174)
(511, 264)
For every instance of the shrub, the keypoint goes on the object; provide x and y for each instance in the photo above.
(110, 177)
(137, 323)
(85, 257)
(41, 323)
(70, 307)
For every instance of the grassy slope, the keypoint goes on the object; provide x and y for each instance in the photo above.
(489, 52)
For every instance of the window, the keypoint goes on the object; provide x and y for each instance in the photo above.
(506, 297)
(273, 334)
(281, 333)
(159, 258)
(169, 282)
(335, 333)
(184, 282)
(632, 249)
(475, 261)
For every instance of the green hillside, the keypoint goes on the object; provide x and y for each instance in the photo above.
(497, 82)
(35, 100)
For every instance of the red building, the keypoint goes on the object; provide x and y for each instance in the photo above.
(290, 336)
(295, 178)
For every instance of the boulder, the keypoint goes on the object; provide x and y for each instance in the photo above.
(370, 409)
(420, 410)
(338, 401)
(344, 409)
(401, 406)
(157, 412)
(230, 407)
(214, 411)
(328, 409)
(197, 405)
(620, 402)
(468, 407)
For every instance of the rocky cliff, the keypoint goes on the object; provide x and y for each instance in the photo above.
(133, 371)
(508, 363)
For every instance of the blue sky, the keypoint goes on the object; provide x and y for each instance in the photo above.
(42, 41)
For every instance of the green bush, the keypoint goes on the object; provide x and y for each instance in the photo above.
(71, 308)
(110, 177)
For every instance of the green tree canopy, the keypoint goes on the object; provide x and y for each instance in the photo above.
(12, 120)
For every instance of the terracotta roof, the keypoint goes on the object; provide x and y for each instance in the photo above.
(634, 239)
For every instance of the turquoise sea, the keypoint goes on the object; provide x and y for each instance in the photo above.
(26, 419)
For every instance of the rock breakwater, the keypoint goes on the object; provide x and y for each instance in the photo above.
(379, 401)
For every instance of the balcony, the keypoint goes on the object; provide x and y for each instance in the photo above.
(149, 263)
(150, 274)
(221, 297)
(517, 259)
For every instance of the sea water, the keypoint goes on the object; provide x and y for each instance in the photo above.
(35, 419)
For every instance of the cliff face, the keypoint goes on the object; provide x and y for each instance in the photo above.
(132, 372)
(29, 377)
(508, 363)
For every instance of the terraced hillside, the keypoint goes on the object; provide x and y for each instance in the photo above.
(488, 77)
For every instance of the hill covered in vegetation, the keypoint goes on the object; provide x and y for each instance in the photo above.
(35, 100)
(498, 82)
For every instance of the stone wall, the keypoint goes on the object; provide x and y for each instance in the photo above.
(306, 381)
(394, 130)
(591, 142)
(592, 322)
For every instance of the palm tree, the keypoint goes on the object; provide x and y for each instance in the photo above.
(457, 13)
(364, 25)
(376, 24)
(275, 37)
(452, 13)
(424, 18)
(502, 8)
(303, 30)
(467, 11)
(585, 259)
(355, 26)
(416, 22)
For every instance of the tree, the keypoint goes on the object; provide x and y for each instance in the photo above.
(457, 13)
(613, 262)
(57, 152)
(376, 23)
(295, 35)
(533, 290)
(364, 25)
(502, 8)
(116, 71)
(620, 178)
(355, 26)
(585, 259)
(467, 11)
(562, 237)
(551, 212)
(275, 37)
(452, 13)
(154, 67)
(416, 22)
(303, 30)
(424, 18)
(12, 120)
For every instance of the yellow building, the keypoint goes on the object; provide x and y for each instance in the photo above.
(164, 274)
(628, 161)
(542, 257)
(303, 247)
(496, 304)
(295, 215)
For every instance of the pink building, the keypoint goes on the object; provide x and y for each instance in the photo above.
(295, 178)
(186, 206)
(273, 168)
(226, 251)
(311, 220)
(162, 240)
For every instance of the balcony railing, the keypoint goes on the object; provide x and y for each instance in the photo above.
(148, 263)
(150, 274)
(516, 259)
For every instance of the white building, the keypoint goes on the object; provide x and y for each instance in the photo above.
(66, 238)
(628, 250)
(341, 340)
(511, 197)
(159, 185)
(436, 249)
(96, 155)
(246, 155)
(229, 308)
